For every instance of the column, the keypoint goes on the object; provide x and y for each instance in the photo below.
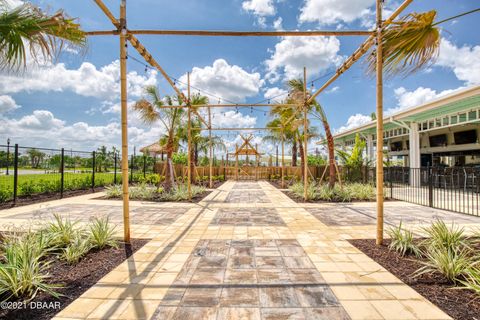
(414, 155)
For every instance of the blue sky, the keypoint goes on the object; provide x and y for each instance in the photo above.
(74, 102)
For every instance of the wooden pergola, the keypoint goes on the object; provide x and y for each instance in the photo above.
(125, 34)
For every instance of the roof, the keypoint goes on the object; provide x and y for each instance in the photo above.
(458, 101)
(154, 148)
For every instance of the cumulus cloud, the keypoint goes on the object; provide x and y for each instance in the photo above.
(291, 54)
(354, 121)
(87, 80)
(259, 7)
(42, 129)
(277, 24)
(334, 11)
(275, 93)
(7, 104)
(421, 95)
(464, 61)
(232, 119)
(230, 82)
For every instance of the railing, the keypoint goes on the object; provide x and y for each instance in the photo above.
(31, 171)
(455, 189)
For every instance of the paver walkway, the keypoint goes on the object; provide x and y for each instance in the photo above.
(246, 252)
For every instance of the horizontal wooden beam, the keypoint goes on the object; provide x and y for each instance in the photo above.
(225, 33)
(277, 105)
(233, 129)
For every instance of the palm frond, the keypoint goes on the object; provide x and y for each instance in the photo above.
(26, 27)
(409, 44)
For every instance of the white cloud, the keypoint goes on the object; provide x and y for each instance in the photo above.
(7, 104)
(421, 95)
(333, 90)
(232, 119)
(291, 54)
(464, 61)
(87, 80)
(230, 82)
(259, 7)
(275, 93)
(354, 121)
(334, 11)
(277, 24)
(43, 129)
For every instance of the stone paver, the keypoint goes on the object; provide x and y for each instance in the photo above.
(247, 251)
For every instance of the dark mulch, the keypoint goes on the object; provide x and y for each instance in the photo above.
(43, 197)
(76, 279)
(278, 184)
(459, 304)
(196, 199)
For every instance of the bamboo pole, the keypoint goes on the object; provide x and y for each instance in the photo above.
(379, 124)
(227, 33)
(233, 129)
(211, 147)
(283, 159)
(189, 134)
(305, 136)
(236, 162)
(109, 14)
(230, 105)
(364, 47)
(124, 116)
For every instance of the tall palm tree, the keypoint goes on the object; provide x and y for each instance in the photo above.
(296, 88)
(27, 28)
(151, 112)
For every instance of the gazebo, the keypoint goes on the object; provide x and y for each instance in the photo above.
(153, 150)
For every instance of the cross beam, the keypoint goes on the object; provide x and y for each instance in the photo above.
(227, 33)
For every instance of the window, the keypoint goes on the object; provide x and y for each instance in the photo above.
(445, 121)
(438, 140)
(472, 115)
(462, 117)
(464, 137)
(453, 120)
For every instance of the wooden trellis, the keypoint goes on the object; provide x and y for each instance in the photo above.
(125, 34)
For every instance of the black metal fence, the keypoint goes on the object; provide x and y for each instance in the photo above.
(28, 171)
(455, 189)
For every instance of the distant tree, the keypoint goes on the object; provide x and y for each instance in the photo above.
(36, 157)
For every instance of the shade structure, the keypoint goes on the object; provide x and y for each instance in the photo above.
(153, 149)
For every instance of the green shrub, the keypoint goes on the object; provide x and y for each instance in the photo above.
(452, 264)
(78, 247)
(23, 271)
(63, 231)
(114, 191)
(27, 188)
(441, 236)
(101, 233)
(345, 193)
(180, 192)
(402, 241)
(472, 279)
(6, 194)
(143, 192)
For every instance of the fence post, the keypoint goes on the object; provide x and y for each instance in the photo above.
(430, 186)
(15, 175)
(390, 175)
(144, 166)
(115, 168)
(93, 170)
(131, 168)
(62, 172)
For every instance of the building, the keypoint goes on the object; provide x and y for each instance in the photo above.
(443, 132)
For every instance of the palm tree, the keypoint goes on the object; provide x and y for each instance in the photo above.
(151, 112)
(296, 87)
(26, 27)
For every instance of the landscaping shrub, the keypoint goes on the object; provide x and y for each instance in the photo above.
(472, 278)
(63, 231)
(345, 193)
(23, 271)
(439, 235)
(180, 192)
(142, 191)
(78, 247)
(402, 241)
(114, 191)
(452, 264)
(101, 233)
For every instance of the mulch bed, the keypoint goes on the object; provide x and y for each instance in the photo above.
(459, 304)
(278, 184)
(76, 279)
(196, 199)
(44, 197)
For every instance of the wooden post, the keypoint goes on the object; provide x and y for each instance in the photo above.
(211, 147)
(305, 137)
(283, 159)
(124, 112)
(236, 162)
(189, 134)
(256, 161)
(379, 125)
